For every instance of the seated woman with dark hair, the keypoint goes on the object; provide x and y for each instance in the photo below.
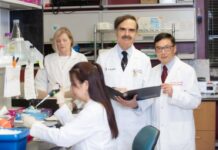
(94, 128)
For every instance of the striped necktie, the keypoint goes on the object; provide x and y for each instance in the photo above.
(124, 60)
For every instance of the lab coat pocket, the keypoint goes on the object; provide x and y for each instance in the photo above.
(111, 76)
(138, 77)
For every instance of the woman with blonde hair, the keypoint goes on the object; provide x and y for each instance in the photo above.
(58, 64)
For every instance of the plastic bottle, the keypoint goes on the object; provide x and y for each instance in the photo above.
(16, 33)
(17, 46)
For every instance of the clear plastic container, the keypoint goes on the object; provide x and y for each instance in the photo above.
(16, 47)
(16, 33)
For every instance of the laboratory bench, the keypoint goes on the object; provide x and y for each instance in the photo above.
(205, 124)
(41, 145)
(37, 144)
(206, 116)
(209, 97)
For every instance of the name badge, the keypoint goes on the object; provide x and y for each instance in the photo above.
(109, 69)
(176, 83)
(136, 72)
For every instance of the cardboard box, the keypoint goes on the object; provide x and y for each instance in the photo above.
(149, 1)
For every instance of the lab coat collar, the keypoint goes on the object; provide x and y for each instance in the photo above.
(73, 57)
(176, 65)
(73, 54)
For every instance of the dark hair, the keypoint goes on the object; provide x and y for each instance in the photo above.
(161, 36)
(92, 72)
(120, 19)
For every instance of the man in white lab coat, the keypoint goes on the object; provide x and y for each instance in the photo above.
(173, 110)
(130, 73)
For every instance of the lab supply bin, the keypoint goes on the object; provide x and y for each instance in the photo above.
(14, 141)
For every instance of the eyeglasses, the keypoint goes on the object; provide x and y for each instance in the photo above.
(166, 48)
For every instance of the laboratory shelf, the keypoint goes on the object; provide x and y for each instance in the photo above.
(149, 5)
(18, 5)
(120, 6)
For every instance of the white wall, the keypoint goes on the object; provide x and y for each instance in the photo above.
(4, 23)
(4, 27)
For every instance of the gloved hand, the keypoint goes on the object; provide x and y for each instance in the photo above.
(60, 97)
(28, 120)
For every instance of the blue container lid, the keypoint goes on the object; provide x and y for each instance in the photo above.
(14, 137)
(38, 115)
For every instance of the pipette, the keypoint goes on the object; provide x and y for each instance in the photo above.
(50, 94)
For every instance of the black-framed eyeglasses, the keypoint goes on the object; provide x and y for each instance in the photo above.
(166, 48)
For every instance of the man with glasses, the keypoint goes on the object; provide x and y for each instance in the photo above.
(126, 68)
(173, 110)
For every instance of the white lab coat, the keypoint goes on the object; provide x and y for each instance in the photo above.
(135, 76)
(174, 116)
(89, 130)
(53, 73)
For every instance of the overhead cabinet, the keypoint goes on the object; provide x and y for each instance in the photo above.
(181, 21)
(81, 25)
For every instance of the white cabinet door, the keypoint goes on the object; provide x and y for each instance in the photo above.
(184, 20)
(81, 25)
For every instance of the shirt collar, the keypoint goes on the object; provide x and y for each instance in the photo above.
(129, 51)
(170, 64)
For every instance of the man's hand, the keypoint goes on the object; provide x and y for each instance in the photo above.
(128, 103)
(167, 89)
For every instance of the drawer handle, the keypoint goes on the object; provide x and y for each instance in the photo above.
(198, 137)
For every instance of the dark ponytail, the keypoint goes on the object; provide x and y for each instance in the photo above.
(92, 72)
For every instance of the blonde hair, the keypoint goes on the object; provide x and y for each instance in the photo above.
(58, 33)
